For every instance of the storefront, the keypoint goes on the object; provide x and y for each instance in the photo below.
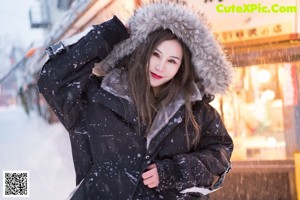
(263, 106)
(262, 114)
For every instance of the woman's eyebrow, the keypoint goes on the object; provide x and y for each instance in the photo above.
(175, 57)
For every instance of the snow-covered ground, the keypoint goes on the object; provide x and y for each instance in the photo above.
(29, 143)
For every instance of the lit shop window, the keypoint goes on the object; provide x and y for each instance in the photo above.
(253, 111)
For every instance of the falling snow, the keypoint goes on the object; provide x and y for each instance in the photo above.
(178, 120)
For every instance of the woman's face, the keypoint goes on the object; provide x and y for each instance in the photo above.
(164, 63)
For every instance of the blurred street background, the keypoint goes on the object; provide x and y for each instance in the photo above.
(261, 112)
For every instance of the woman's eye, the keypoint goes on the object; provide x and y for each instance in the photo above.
(156, 54)
(172, 61)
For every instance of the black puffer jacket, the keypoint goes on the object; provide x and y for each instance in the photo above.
(109, 149)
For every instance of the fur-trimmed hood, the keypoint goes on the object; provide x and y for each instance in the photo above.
(210, 63)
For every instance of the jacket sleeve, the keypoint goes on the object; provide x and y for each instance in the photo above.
(203, 170)
(65, 74)
(65, 77)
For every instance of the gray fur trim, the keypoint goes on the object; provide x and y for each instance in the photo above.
(210, 62)
(116, 83)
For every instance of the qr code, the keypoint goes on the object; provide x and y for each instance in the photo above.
(15, 184)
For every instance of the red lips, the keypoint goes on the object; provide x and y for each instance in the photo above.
(155, 76)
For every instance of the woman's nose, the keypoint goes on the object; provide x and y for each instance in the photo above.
(158, 68)
(160, 65)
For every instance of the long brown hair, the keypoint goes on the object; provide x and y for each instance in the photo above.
(146, 103)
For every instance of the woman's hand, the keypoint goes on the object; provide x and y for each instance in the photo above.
(150, 177)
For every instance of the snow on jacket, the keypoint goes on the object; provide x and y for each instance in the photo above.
(110, 151)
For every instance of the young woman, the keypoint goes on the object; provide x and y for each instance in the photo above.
(145, 130)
